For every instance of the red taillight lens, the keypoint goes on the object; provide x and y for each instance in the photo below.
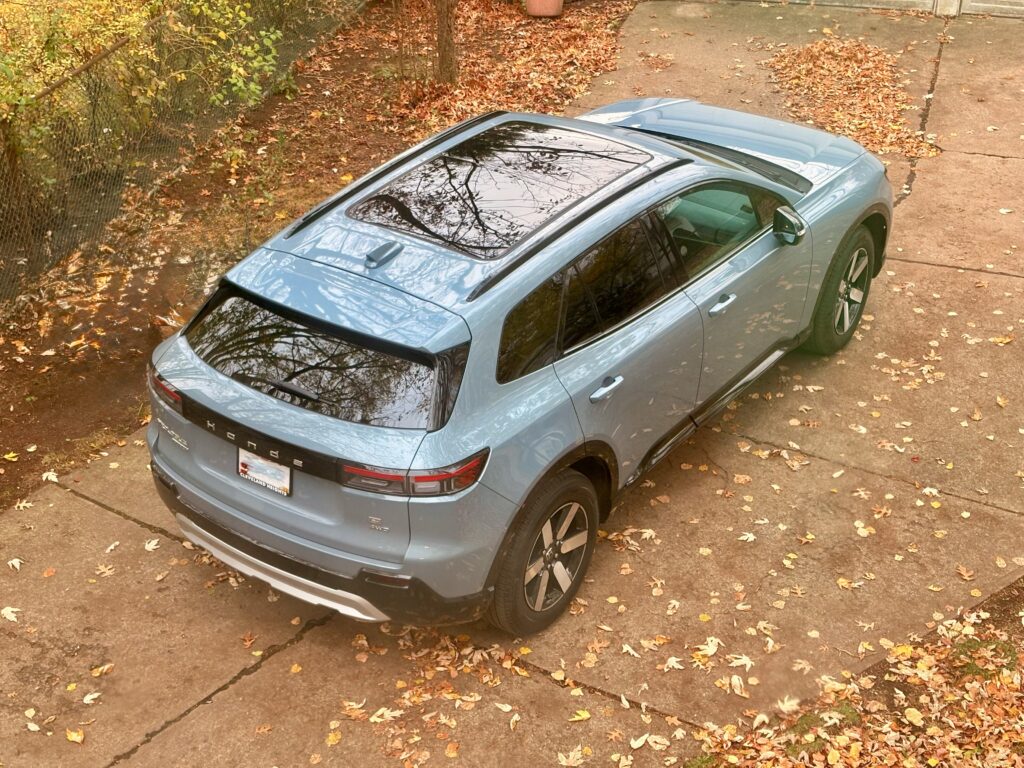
(418, 482)
(163, 390)
(374, 479)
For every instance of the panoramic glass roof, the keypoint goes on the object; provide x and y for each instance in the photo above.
(484, 195)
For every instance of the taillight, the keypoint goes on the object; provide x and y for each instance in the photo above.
(417, 482)
(163, 390)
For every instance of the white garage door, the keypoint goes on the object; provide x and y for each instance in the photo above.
(995, 7)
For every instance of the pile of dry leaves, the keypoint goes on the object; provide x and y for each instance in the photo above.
(507, 60)
(850, 87)
(954, 701)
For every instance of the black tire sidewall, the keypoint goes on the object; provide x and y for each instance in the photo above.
(509, 610)
(823, 339)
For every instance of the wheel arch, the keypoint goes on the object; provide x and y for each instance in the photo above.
(876, 219)
(596, 461)
(875, 216)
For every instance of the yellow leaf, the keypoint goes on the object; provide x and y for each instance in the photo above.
(452, 750)
(704, 617)
(77, 736)
(332, 738)
(580, 716)
(524, 650)
(295, 669)
(914, 716)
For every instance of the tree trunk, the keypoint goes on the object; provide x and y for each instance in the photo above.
(447, 58)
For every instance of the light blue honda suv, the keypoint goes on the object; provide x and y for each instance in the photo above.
(419, 401)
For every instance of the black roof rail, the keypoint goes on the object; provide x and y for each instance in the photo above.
(381, 171)
(584, 212)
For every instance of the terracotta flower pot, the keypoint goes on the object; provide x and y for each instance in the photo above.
(544, 7)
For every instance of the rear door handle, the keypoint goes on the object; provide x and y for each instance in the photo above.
(605, 390)
(723, 303)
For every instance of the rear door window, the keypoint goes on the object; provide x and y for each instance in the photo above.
(300, 363)
(612, 282)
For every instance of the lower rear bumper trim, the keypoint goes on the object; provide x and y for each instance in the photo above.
(287, 583)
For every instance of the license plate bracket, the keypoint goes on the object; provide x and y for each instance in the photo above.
(264, 472)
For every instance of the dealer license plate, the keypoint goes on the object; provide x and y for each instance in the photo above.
(272, 476)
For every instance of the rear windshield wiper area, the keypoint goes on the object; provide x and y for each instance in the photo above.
(305, 364)
(278, 384)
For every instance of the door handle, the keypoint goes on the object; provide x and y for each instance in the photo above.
(605, 390)
(723, 304)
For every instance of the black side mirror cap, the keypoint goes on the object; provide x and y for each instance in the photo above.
(788, 226)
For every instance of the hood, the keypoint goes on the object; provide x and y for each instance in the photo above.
(809, 152)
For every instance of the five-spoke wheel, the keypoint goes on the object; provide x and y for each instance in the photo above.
(556, 556)
(843, 293)
(548, 553)
(852, 291)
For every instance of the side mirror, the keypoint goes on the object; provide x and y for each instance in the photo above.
(788, 226)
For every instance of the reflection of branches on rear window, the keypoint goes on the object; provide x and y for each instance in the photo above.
(263, 350)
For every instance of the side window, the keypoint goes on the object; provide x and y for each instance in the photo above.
(528, 335)
(706, 223)
(614, 280)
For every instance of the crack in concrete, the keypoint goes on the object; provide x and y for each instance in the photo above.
(244, 672)
(889, 258)
(617, 698)
(908, 186)
(984, 154)
(854, 467)
(124, 515)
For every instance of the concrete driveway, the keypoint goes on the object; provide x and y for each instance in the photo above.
(842, 504)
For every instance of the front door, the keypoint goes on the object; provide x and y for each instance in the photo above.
(749, 286)
(632, 344)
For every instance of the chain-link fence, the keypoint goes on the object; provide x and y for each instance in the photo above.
(120, 122)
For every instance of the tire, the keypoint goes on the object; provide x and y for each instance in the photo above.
(566, 500)
(848, 279)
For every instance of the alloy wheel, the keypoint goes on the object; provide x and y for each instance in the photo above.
(555, 559)
(852, 292)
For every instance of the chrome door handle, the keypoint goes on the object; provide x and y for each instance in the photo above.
(605, 390)
(723, 303)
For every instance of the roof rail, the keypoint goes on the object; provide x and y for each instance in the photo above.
(381, 171)
(585, 212)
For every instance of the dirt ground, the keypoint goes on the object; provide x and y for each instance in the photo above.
(839, 505)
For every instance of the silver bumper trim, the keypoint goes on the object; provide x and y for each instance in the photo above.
(345, 603)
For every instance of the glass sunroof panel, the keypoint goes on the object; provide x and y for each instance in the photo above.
(484, 195)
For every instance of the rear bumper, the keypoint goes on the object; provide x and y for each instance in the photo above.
(367, 597)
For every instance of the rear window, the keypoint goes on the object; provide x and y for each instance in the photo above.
(484, 195)
(286, 358)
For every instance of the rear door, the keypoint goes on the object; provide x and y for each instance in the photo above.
(631, 343)
(749, 286)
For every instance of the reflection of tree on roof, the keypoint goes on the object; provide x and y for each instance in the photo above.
(487, 193)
